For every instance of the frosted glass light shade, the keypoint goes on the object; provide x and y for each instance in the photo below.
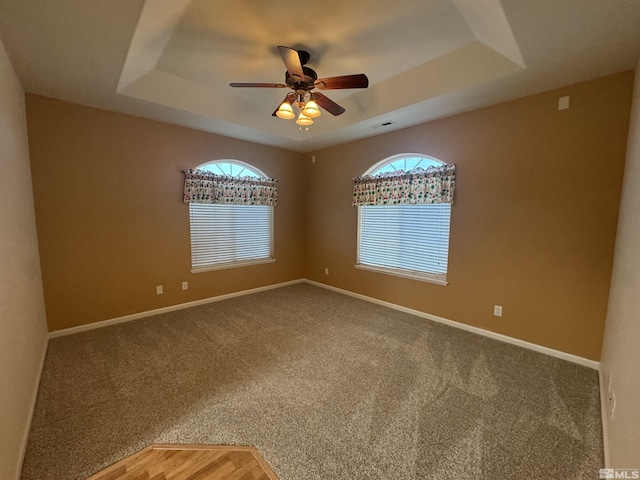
(311, 109)
(285, 111)
(304, 120)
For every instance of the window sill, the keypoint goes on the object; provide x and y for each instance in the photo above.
(403, 273)
(225, 266)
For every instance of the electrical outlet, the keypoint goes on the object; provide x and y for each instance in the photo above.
(497, 310)
(326, 271)
(159, 290)
(185, 285)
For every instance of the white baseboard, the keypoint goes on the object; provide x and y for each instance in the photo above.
(604, 413)
(34, 399)
(463, 326)
(171, 308)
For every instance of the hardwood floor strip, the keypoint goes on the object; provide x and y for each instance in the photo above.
(190, 462)
(115, 474)
(142, 476)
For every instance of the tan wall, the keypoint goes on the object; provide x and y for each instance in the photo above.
(534, 220)
(621, 348)
(111, 221)
(533, 226)
(23, 332)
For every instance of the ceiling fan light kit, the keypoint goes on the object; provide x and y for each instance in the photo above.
(305, 103)
(302, 80)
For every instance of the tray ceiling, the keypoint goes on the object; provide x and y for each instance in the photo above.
(173, 60)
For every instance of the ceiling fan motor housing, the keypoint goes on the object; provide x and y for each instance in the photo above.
(310, 77)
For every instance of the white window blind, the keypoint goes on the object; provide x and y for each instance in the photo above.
(229, 235)
(405, 239)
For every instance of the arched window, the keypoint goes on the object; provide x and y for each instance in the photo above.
(404, 162)
(403, 229)
(227, 235)
(232, 168)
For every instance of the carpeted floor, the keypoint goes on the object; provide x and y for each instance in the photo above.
(326, 386)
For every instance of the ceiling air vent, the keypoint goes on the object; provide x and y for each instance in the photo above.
(383, 124)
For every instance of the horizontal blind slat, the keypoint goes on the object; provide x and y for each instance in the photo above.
(410, 238)
(224, 234)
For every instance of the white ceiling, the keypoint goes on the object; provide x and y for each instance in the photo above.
(172, 60)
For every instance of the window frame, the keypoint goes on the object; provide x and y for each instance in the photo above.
(253, 172)
(429, 277)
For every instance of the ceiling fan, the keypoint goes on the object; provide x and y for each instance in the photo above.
(302, 80)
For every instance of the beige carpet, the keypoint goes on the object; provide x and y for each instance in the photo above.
(324, 385)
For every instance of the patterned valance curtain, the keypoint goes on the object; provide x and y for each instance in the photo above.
(206, 187)
(419, 186)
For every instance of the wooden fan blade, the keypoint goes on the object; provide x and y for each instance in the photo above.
(292, 61)
(289, 98)
(347, 81)
(257, 85)
(329, 105)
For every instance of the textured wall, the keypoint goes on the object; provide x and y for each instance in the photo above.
(23, 332)
(621, 349)
(534, 221)
(111, 221)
